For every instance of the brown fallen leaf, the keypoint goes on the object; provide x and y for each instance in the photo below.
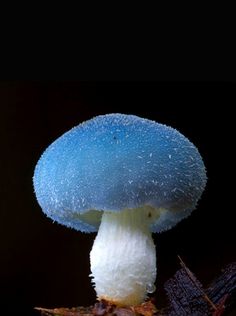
(102, 308)
(146, 309)
(75, 311)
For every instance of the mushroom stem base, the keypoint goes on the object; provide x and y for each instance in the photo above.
(123, 258)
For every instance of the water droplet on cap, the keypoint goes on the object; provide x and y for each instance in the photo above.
(150, 288)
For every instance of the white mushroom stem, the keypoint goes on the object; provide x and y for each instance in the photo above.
(123, 257)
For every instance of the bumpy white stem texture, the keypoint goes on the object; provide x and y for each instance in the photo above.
(123, 258)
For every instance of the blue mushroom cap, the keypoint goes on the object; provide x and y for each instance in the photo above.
(114, 162)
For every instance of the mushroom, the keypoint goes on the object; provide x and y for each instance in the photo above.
(125, 177)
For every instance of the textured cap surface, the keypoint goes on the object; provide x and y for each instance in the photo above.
(115, 162)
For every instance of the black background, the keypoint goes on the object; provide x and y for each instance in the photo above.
(46, 264)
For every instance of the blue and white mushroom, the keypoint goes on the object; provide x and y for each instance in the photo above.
(125, 177)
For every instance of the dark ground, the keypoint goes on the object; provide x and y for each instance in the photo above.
(45, 264)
